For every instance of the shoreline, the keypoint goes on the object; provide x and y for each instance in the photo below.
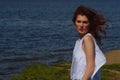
(112, 57)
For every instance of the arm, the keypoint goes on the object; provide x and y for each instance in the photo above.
(89, 48)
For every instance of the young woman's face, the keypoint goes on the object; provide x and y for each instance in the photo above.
(82, 24)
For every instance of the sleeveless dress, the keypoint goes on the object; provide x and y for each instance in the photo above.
(78, 65)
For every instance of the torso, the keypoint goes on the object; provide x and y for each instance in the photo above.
(79, 59)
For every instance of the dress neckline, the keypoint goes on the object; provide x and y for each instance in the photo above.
(84, 36)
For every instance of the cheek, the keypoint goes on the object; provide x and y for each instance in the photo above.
(76, 25)
(87, 27)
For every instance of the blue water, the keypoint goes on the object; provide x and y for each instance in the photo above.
(33, 31)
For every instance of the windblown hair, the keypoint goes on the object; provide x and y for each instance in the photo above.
(96, 21)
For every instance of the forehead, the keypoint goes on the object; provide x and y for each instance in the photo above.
(81, 17)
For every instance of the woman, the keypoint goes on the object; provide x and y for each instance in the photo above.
(87, 56)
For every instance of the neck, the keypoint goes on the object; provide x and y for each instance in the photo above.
(81, 35)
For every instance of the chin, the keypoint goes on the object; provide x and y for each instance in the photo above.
(82, 33)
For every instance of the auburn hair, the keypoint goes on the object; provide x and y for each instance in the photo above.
(96, 21)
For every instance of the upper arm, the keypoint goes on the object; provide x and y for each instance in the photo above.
(89, 49)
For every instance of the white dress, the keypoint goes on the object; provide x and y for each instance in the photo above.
(79, 61)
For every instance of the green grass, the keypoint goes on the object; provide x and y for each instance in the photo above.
(61, 71)
(111, 72)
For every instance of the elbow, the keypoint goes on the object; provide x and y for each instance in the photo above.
(91, 68)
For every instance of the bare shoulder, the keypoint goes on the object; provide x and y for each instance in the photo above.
(88, 39)
(88, 45)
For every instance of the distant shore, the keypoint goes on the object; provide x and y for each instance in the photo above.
(113, 57)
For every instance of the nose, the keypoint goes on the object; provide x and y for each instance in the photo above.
(81, 24)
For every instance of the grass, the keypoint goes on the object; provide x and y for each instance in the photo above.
(111, 72)
(61, 71)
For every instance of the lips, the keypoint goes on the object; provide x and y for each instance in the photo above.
(81, 29)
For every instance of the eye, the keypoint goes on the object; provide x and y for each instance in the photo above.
(85, 22)
(78, 21)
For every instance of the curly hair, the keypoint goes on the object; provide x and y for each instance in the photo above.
(96, 21)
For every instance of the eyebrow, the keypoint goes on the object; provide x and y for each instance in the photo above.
(82, 21)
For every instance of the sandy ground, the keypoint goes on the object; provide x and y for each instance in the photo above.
(113, 57)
